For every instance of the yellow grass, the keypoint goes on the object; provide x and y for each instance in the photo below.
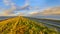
(21, 25)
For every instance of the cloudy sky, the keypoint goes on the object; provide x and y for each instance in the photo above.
(24, 7)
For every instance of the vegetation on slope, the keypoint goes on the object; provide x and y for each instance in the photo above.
(21, 25)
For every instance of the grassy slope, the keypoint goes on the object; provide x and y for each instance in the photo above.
(20, 25)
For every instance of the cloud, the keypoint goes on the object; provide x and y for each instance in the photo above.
(19, 14)
(35, 12)
(7, 2)
(14, 7)
(47, 12)
(11, 13)
(11, 9)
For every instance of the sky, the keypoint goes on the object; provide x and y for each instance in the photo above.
(24, 7)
